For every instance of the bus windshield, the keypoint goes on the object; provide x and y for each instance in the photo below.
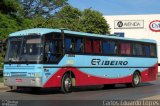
(22, 49)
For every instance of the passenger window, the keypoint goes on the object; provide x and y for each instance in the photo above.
(109, 47)
(138, 49)
(96, 46)
(73, 45)
(105, 48)
(153, 50)
(53, 50)
(147, 50)
(53, 47)
(69, 45)
(125, 48)
(79, 45)
(88, 46)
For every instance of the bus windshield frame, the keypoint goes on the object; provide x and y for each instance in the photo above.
(24, 49)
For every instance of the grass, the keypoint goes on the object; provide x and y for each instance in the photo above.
(1, 79)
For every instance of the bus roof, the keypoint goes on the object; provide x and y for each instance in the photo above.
(42, 31)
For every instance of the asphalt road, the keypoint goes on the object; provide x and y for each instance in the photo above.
(95, 95)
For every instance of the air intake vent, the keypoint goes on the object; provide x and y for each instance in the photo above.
(19, 74)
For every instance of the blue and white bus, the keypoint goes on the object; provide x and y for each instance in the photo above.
(43, 58)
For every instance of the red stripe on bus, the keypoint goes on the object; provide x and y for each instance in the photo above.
(84, 79)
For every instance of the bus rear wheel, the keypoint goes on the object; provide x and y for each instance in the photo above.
(135, 80)
(66, 86)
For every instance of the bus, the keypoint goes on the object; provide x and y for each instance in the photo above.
(45, 58)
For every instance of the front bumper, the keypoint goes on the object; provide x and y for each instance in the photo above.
(23, 82)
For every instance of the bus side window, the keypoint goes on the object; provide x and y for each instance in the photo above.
(68, 44)
(153, 50)
(105, 47)
(88, 46)
(78, 45)
(135, 50)
(147, 50)
(51, 51)
(125, 48)
(109, 47)
(113, 49)
(138, 50)
(96, 46)
(53, 47)
(48, 51)
(72, 46)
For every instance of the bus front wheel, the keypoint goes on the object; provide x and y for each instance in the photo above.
(66, 86)
(135, 80)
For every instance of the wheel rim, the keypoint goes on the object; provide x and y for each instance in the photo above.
(67, 84)
(136, 79)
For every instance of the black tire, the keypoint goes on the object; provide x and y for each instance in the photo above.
(136, 80)
(66, 86)
(108, 86)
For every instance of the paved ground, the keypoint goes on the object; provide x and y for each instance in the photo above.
(120, 92)
(2, 87)
(146, 91)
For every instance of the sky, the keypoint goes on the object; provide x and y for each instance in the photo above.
(119, 7)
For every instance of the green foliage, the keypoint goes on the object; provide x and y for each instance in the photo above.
(46, 8)
(9, 7)
(18, 15)
(94, 22)
(69, 17)
(90, 21)
(69, 12)
(1, 79)
(1, 60)
(7, 25)
(86, 21)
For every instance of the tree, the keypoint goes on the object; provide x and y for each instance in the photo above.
(9, 7)
(94, 22)
(46, 8)
(69, 17)
(7, 25)
(90, 21)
